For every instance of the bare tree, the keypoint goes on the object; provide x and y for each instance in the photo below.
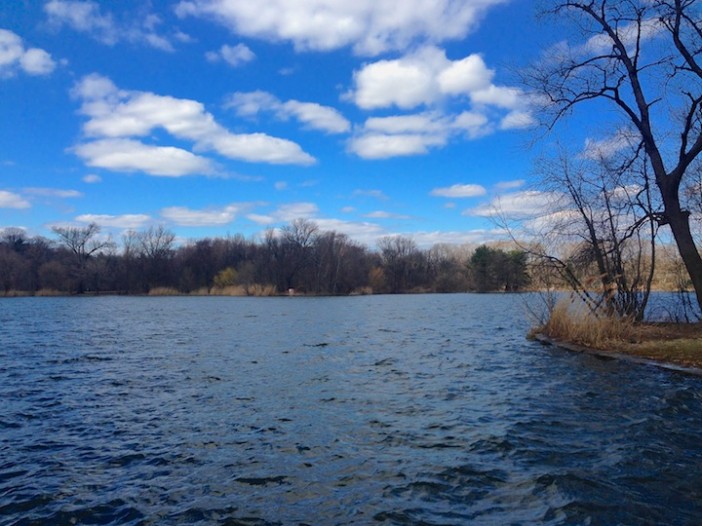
(83, 243)
(600, 233)
(642, 57)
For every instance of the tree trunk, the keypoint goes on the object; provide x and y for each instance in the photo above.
(679, 221)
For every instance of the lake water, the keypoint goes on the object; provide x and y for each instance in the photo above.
(429, 409)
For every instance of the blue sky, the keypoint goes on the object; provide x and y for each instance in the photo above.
(372, 117)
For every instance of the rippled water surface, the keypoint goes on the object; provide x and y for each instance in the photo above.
(429, 410)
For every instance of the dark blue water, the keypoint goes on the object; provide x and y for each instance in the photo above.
(430, 410)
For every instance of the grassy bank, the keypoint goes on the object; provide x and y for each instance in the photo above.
(676, 343)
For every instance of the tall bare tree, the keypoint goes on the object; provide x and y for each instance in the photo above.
(83, 243)
(642, 57)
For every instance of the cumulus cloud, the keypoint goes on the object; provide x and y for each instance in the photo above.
(14, 57)
(400, 135)
(369, 26)
(12, 200)
(87, 17)
(126, 221)
(126, 155)
(422, 77)
(235, 56)
(116, 116)
(426, 78)
(459, 191)
(312, 115)
(184, 216)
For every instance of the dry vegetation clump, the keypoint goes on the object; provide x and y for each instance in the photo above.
(578, 325)
(258, 289)
(49, 292)
(229, 290)
(675, 343)
(164, 291)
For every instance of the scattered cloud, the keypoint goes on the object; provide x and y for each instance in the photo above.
(115, 116)
(235, 56)
(381, 214)
(92, 179)
(126, 221)
(126, 155)
(348, 210)
(510, 185)
(14, 57)
(459, 191)
(400, 135)
(312, 115)
(53, 192)
(371, 27)
(419, 78)
(426, 78)
(603, 149)
(519, 205)
(12, 200)
(184, 216)
(286, 213)
(87, 17)
(375, 194)
(469, 237)
(280, 185)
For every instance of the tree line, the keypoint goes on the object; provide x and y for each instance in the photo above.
(299, 257)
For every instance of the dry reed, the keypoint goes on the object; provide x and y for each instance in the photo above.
(577, 325)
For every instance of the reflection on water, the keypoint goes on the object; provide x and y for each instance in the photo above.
(368, 410)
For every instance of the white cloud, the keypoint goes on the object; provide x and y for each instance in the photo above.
(14, 56)
(382, 214)
(510, 185)
(348, 210)
(126, 155)
(519, 205)
(12, 200)
(184, 216)
(92, 179)
(286, 213)
(114, 113)
(87, 17)
(401, 135)
(235, 56)
(375, 194)
(517, 120)
(468, 237)
(459, 191)
(381, 146)
(427, 76)
(126, 221)
(280, 185)
(312, 115)
(370, 26)
(53, 192)
(623, 139)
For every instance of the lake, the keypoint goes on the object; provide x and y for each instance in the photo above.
(388, 410)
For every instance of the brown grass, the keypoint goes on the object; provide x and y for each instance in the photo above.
(677, 343)
(567, 323)
(164, 291)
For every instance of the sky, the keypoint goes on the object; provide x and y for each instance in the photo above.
(217, 117)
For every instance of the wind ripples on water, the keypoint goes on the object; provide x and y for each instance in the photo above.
(370, 410)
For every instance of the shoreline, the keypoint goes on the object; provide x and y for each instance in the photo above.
(627, 353)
